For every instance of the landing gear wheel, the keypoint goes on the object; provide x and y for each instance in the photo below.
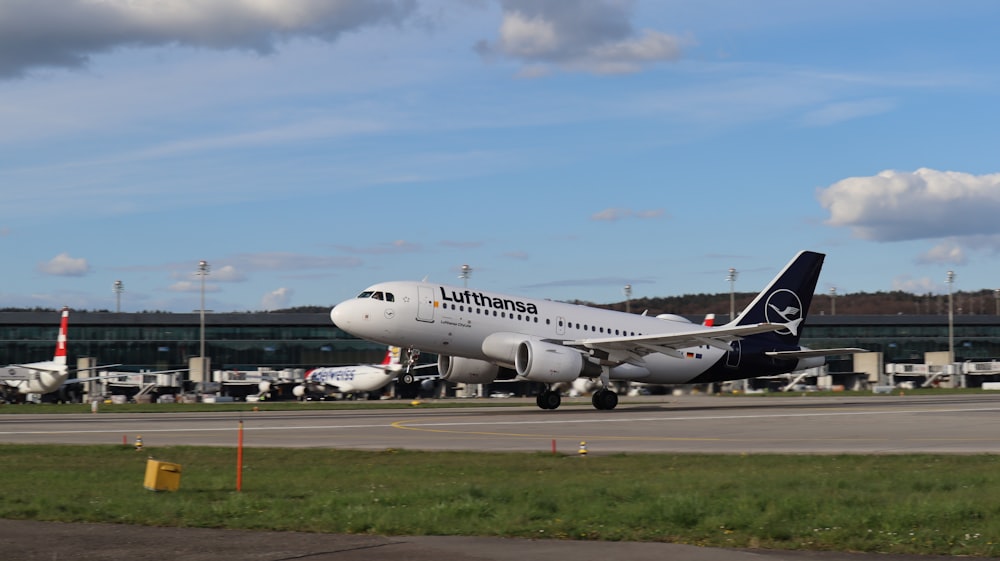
(407, 378)
(549, 399)
(604, 399)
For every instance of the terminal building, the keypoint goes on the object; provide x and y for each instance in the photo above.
(240, 343)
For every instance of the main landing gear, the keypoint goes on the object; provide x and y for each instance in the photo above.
(603, 399)
(549, 399)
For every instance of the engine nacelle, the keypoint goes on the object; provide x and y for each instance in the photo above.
(538, 361)
(466, 370)
(502, 346)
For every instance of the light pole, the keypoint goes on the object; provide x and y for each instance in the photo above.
(950, 279)
(203, 269)
(731, 277)
(628, 298)
(833, 300)
(118, 288)
(732, 292)
(477, 389)
(996, 298)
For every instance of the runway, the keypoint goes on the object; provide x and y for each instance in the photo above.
(946, 424)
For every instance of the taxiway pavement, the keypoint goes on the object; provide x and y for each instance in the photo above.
(945, 424)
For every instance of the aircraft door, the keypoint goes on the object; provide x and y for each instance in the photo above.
(560, 325)
(425, 304)
(733, 357)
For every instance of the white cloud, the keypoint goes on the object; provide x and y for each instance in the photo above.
(278, 298)
(283, 261)
(923, 204)
(615, 214)
(834, 113)
(63, 265)
(192, 286)
(66, 33)
(227, 273)
(586, 35)
(947, 252)
(397, 246)
(922, 285)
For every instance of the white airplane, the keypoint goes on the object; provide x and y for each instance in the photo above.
(481, 336)
(38, 377)
(19, 380)
(361, 378)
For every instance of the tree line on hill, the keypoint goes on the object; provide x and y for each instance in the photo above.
(982, 302)
(861, 303)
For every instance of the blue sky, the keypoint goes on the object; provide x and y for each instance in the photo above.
(307, 149)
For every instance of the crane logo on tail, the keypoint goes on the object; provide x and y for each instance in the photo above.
(784, 307)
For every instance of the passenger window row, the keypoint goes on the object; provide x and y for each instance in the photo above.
(526, 317)
(388, 297)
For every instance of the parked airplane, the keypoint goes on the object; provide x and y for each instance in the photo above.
(38, 377)
(477, 333)
(19, 380)
(360, 378)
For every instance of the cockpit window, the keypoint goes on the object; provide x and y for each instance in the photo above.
(377, 295)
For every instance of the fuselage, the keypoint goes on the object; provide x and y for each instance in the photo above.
(454, 321)
(348, 379)
(35, 377)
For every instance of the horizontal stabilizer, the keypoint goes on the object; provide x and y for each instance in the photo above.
(809, 353)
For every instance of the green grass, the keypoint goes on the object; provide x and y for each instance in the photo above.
(947, 505)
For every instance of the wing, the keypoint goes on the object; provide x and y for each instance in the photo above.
(116, 374)
(62, 370)
(631, 349)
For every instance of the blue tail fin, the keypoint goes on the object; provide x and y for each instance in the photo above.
(786, 300)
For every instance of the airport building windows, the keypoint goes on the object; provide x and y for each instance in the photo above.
(237, 341)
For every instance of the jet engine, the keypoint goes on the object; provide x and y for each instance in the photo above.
(538, 361)
(466, 370)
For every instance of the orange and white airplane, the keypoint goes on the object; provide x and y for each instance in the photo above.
(361, 378)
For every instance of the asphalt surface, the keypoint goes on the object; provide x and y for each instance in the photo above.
(52, 541)
(945, 424)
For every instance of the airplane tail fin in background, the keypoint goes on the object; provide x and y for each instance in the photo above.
(391, 356)
(60, 355)
(786, 299)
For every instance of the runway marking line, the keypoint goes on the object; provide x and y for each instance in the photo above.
(429, 427)
(416, 425)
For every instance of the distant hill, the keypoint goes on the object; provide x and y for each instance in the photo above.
(862, 303)
(983, 302)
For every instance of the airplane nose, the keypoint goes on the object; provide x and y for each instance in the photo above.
(337, 315)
